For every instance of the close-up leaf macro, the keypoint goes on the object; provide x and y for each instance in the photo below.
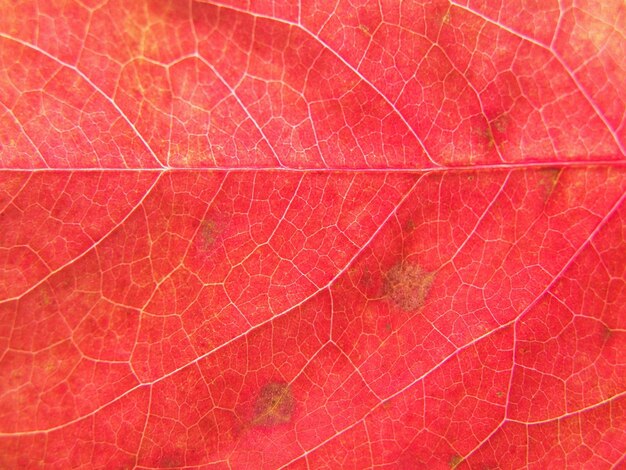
(325, 234)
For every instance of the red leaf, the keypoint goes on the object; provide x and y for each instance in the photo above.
(312, 234)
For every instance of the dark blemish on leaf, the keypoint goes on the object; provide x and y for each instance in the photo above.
(407, 285)
(455, 460)
(274, 405)
(173, 460)
(494, 130)
(500, 123)
(45, 299)
(607, 333)
(363, 277)
(549, 179)
(208, 233)
(488, 134)
(365, 30)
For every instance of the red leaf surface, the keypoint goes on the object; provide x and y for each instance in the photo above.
(343, 234)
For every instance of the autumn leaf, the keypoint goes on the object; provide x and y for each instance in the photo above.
(312, 234)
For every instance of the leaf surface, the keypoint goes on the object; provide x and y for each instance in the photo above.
(317, 235)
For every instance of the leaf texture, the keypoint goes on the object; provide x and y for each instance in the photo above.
(326, 234)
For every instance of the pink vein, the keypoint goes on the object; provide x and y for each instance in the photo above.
(244, 108)
(230, 341)
(30, 141)
(344, 61)
(514, 321)
(563, 64)
(131, 211)
(93, 85)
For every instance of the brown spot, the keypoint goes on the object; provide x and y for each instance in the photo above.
(607, 333)
(446, 17)
(407, 285)
(548, 180)
(491, 141)
(173, 460)
(493, 132)
(365, 29)
(363, 277)
(274, 405)
(45, 299)
(455, 460)
(208, 233)
(501, 123)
